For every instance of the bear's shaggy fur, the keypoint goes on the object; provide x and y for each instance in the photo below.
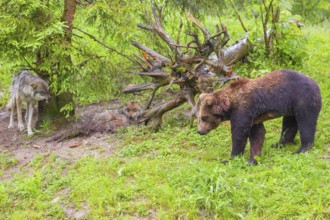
(248, 103)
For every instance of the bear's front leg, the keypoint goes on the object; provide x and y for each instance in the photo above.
(240, 130)
(239, 139)
(257, 137)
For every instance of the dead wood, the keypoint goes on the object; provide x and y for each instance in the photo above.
(196, 66)
(155, 114)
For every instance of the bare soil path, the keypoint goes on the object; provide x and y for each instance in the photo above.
(25, 148)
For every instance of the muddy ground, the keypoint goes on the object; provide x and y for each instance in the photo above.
(93, 133)
(57, 142)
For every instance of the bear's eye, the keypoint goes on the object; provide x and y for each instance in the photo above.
(204, 118)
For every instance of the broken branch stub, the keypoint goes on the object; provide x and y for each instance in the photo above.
(197, 67)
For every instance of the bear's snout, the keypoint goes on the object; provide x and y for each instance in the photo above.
(203, 132)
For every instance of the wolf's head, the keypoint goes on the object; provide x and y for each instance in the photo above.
(41, 91)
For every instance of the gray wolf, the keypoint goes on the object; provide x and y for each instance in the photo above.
(248, 103)
(30, 89)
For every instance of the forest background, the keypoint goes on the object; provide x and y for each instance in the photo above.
(83, 48)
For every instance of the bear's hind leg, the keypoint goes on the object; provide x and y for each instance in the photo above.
(289, 131)
(307, 129)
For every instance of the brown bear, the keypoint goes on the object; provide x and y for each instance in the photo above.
(248, 103)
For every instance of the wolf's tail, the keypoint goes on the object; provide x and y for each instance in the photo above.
(10, 104)
(13, 89)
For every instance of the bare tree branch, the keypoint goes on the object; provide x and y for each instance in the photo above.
(193, 71)
(238, 16)
(151, 52)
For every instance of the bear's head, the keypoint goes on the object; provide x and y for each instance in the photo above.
(211, 111)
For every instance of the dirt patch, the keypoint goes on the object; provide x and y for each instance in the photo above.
(93, 135)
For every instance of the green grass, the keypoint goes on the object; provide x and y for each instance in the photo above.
(184, 178)
(177, 173)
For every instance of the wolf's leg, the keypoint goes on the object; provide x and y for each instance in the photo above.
(30, 115)
(13, 108)
(19, 114)
(26, 117)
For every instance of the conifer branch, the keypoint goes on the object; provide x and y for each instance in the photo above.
(104, 45)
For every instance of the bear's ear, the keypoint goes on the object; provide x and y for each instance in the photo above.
(202, 96)
(209, 100)
(221, 105)
(200, 99)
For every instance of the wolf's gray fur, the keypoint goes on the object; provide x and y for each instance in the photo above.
(30, 89)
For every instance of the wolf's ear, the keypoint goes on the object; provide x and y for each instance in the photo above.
(34, 85)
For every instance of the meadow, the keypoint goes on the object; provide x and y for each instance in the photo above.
(177, 174)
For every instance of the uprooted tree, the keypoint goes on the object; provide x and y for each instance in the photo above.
(196, 66)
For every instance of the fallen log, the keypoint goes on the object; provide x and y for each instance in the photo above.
(196, 66)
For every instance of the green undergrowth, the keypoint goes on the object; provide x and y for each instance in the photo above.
(178, 174)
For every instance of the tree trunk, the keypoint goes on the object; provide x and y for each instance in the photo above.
(68, 17)
(52, 110)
